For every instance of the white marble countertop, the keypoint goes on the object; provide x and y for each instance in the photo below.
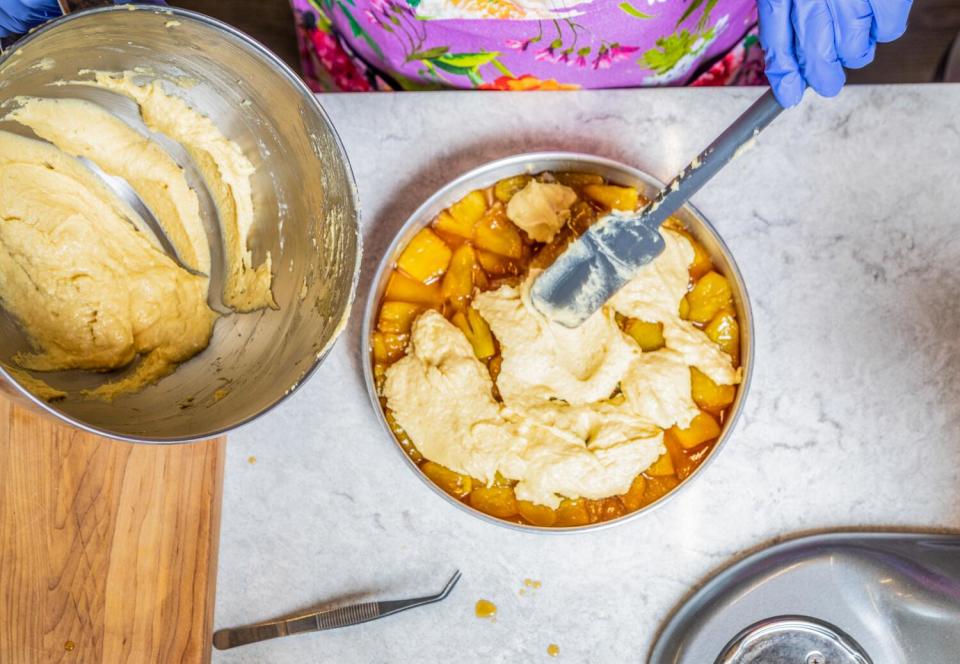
(844, 220)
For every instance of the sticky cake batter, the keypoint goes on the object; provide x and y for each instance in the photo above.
(226, 171)
(89, 289)
(442, 395)
(559, 432)
(119, 150)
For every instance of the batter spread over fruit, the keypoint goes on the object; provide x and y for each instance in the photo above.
(524, 418)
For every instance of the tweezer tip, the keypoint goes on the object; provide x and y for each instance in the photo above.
(451, 583)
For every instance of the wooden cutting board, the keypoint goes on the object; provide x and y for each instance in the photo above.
(108, 550)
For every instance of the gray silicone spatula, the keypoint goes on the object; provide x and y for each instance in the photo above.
(610, 252)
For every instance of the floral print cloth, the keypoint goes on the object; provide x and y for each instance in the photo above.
(360, 45)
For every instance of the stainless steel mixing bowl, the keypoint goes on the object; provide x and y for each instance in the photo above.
(306, 213)
(483, 177)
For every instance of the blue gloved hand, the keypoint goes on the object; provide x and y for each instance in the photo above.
(18, 16)
(809, 42)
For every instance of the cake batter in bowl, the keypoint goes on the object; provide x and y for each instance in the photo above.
(273, 205)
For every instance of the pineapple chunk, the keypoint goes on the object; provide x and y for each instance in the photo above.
(648, 335)
(704, 427)
(574, 180)
(498, 501)
(480, 279)
(633, 498)
(658, 487)
(496, 363)
(613, 197)
(451, 227)
(662, 466)
(426, 257)
(498, 265)
(457, 285)
(724, 331)
(388, 348)
(685, 307)
(707, 394)
(468, 210)
(455, 484)
(538, 515)
(549, 252)
(402, 288)
(477, 332)
(710, 294)
(402, 437)
(397, 317)
(702, 263)
(605, 509)
(500, 480)
(504, 190)
(572, 513)
(494, 232)
(683, 465)
(452, 241)
(379, 375)
(582, 217)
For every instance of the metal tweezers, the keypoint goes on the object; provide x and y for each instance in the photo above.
(322, 620)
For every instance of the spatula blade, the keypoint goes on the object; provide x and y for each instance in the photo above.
(598, 264)
(608, 255)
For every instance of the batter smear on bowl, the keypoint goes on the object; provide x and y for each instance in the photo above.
(226, 172)
(91, 289)
(530, 421)
(88, 288)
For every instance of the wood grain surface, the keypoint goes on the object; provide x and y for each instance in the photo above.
(107, 550)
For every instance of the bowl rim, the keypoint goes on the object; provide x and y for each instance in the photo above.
(533, 162)
(311, 100)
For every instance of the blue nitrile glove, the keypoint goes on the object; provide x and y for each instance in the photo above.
(18, 16)
(809, 42)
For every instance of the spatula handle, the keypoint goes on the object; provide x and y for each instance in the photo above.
(738, 137)
(610, 252)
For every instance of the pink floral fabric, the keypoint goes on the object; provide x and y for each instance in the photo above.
(362, 45)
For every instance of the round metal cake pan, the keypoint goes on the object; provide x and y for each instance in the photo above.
(533, 163)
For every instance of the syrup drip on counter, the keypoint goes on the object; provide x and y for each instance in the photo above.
(529, 585)
(485, 609)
